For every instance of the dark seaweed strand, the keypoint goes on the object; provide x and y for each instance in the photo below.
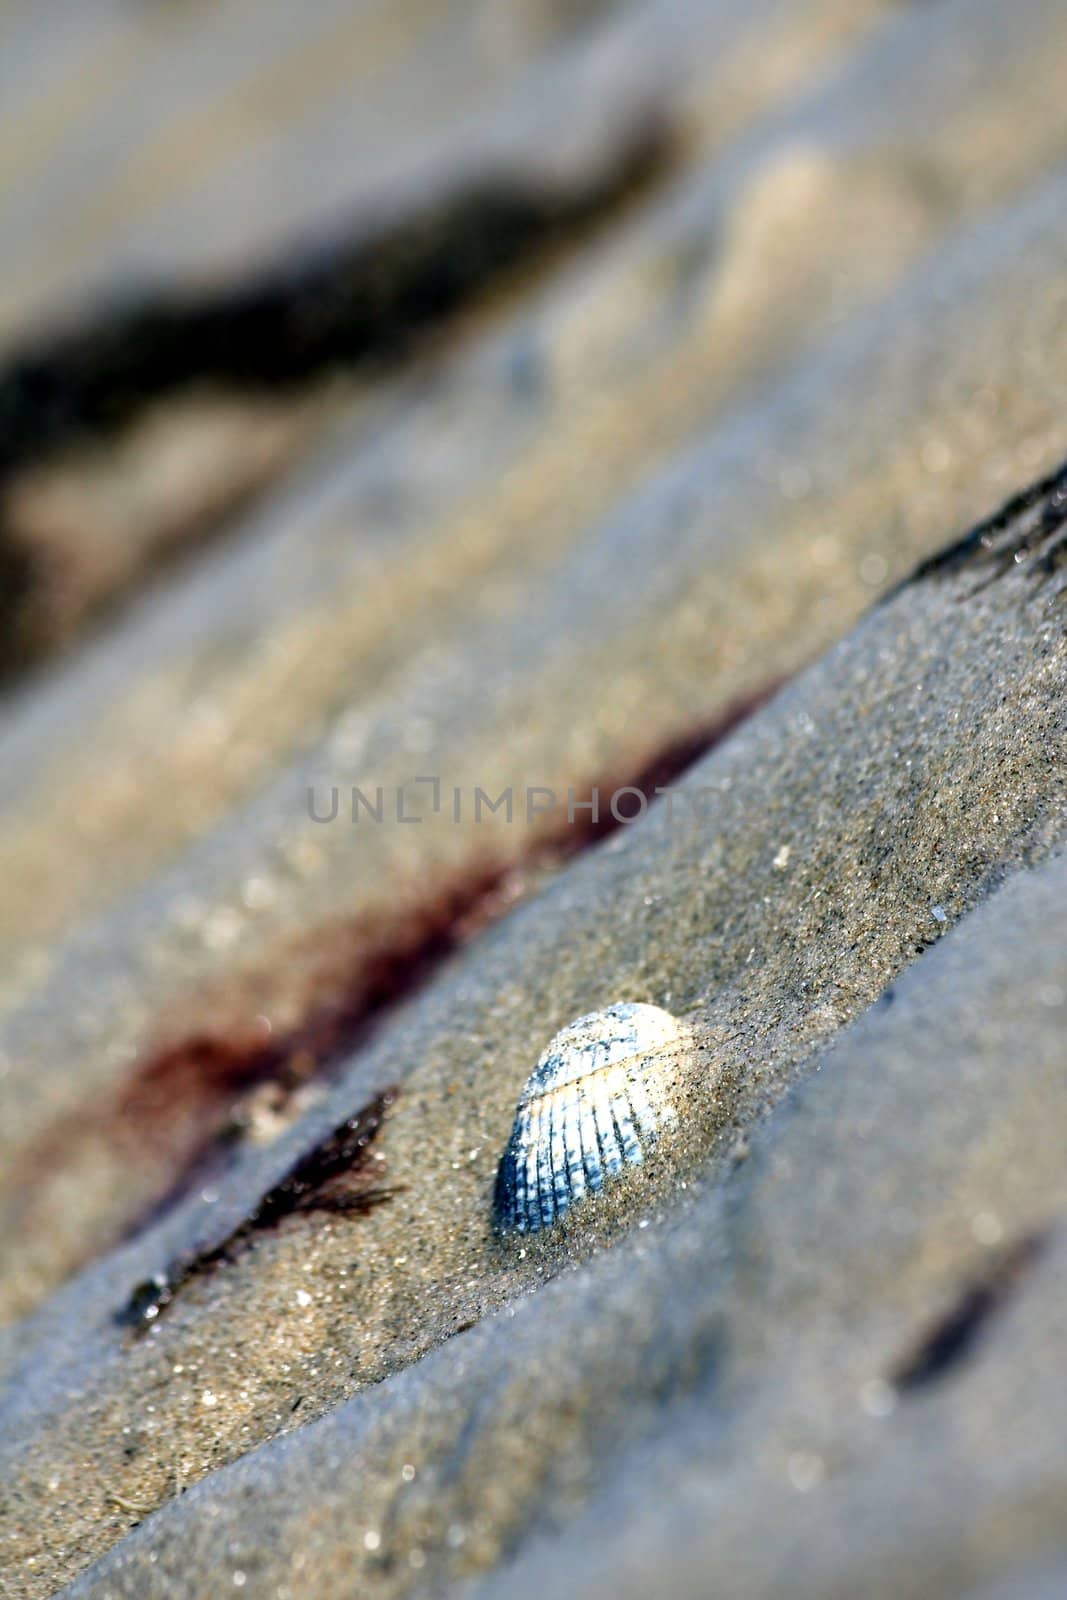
(952, 1336)
(359, 298)
(299, 1190)
(300, 1187)
(979, 544)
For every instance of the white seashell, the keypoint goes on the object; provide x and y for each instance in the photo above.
(596, 1100)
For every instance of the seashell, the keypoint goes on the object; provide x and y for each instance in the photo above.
(597, 1099)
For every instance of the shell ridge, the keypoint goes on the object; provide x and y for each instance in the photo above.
(635, 1061)
(624, 1129)
(518, 1188)
(642, 1107)
(608, 1142)
(558, 1152)
(573, 1146)
(592, 1157)
(502, 1195)
(546, 1210)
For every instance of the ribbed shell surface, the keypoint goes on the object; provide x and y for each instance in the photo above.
(592, 1105)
